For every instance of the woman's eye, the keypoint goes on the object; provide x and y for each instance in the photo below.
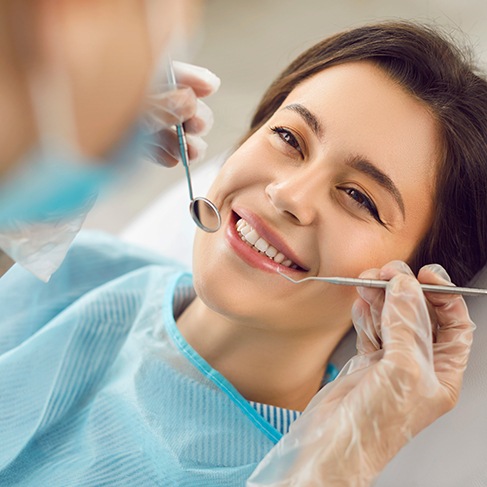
(364, 202)
(287, 137)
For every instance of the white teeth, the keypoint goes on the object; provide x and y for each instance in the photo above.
(279, 258)
(243, 227)
(271, 251)
(249, 235)
(252, 237)
(261, 245)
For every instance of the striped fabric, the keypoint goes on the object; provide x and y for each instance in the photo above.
(280, 418)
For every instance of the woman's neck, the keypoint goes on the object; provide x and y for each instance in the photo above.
(266, 366)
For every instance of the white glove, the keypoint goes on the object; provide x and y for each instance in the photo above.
(168, 107)
(412, 352)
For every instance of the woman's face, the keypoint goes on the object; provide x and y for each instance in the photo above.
(339, 180)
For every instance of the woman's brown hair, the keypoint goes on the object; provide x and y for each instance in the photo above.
(432, 69)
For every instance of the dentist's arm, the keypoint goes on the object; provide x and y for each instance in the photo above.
(412, 353)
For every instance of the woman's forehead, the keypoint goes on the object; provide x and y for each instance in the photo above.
(361, 110)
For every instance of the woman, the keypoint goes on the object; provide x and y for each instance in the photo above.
(348, 165)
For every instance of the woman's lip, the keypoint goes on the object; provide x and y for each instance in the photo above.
(251, 256)
(269, 236)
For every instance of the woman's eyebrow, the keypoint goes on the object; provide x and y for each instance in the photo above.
(358, 163)
(308, 117)
(361, 164)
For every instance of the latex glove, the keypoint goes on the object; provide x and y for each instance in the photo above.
(167, 107)
(412, 352)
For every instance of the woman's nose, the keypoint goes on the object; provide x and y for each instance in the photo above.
(296, 197)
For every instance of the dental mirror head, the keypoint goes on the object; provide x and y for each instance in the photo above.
(204, 213)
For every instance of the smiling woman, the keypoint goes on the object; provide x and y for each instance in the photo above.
(370, 147)
(300, 186)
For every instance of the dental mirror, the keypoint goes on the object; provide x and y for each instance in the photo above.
(204, 213)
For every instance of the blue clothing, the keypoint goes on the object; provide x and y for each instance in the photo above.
(280, 418)
(98, 387)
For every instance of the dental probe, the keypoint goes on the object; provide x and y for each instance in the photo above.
(352, 281)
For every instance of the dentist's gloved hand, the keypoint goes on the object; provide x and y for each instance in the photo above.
(412, 350)
(166, 108)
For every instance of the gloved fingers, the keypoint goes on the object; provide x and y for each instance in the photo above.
(368, 340)
(369, 294)
(201, 122)
(201, 80)
(167, 107)
(163, 148)
(407, 337)
(386, 272)
(164, 153)
(434, 272)
(405, 312)
(170, 107)
(175, 107)
(166, 112)
(394, 268)
(196, 148)
(368, 335)
(454, 332)
(450, 309)
(451, 353)
(374, 297)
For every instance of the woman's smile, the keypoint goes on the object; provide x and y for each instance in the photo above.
(259, 246)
